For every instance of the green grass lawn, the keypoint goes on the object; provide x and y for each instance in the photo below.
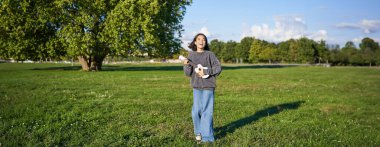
(150, 105)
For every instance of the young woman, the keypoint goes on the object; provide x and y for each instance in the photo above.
(203, 86)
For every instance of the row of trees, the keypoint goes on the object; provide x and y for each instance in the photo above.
(303, 50)
(93, 30)
(90, 30)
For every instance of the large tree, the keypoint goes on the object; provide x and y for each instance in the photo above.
(256, 48)
(90, 30)
(307, 50)
(294, 55)
(242, 49)
(350, 54)
(322, 52)
(283, 51)
(269, 53)
(217, 46)
(369, 48)
(228, 51)
(335, 55)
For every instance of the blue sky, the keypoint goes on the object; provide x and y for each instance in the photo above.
(336, 21)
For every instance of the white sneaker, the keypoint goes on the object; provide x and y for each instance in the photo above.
(198, 138)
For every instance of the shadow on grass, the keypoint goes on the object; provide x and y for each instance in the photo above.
(60, 68)
(231, 127)
(118, 68)
(255, 66)
(143, 68)
(159, 68)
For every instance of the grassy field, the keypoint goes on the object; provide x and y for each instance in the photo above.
(150, 105)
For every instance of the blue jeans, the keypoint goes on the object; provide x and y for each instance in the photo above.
(203, 107)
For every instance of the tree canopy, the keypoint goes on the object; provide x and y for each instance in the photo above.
(90, 30)
(28, 30)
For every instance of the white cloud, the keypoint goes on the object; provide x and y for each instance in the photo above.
(320, 35)
(358, 40)
(210, 36)
(203, 30)
(370, 26)
(286, 27)
(367, 26)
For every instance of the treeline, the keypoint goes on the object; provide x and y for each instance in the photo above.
(303, 50)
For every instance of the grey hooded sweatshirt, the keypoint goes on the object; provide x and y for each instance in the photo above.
(206, 59)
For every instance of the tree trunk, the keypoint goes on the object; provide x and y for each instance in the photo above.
(97, 62)
(84, 62)
(91, 64)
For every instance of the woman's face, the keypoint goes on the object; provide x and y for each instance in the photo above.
(200, 42)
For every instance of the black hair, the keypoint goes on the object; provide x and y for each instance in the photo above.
(192, 45)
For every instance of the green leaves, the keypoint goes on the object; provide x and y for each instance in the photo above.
(90, 28)
(25, 29)
(145, 26)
